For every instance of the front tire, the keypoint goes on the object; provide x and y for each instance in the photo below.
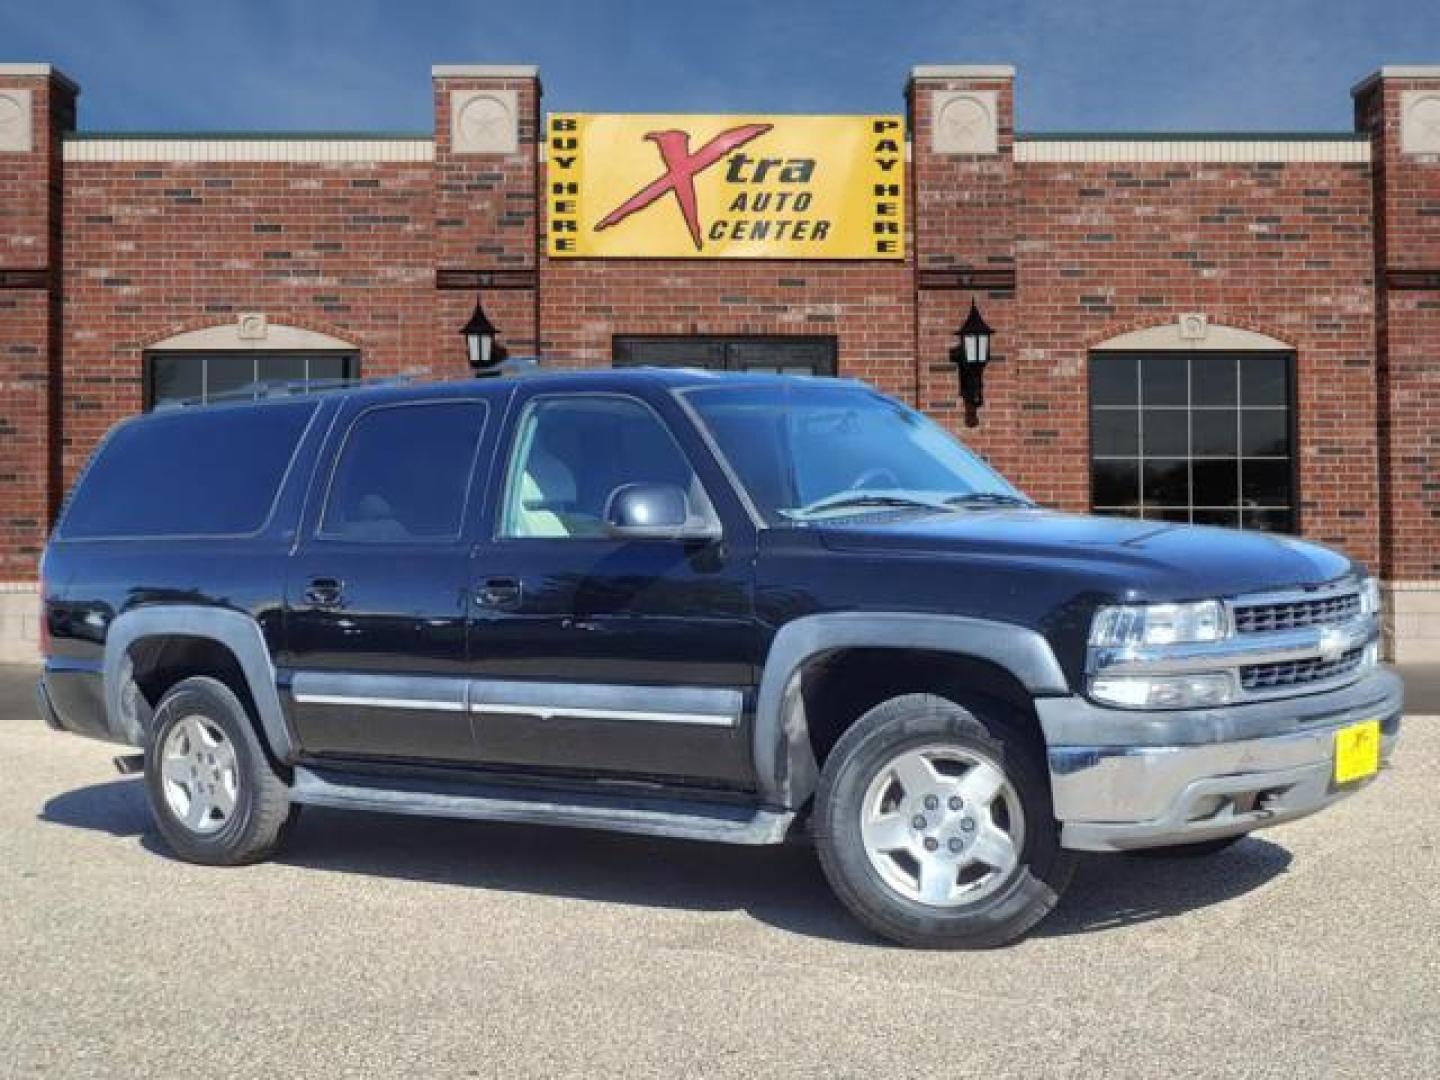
(934, 825)
(212, 791)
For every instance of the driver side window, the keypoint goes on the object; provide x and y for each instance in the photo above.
(571, 455)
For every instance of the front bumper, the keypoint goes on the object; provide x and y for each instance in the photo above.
(1122, 780)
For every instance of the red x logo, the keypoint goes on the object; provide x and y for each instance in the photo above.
(681, 168)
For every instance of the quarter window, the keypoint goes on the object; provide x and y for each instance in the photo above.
(1203, 438)
(404, 473)
(572, 453)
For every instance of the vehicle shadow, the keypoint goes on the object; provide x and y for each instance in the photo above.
(780, 886)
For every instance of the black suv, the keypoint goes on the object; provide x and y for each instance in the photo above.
(734, 608)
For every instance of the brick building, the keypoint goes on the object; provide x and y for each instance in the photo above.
(1236, 329)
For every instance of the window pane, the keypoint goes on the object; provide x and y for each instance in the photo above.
(201, 472)
(573, 453)
(1167, 482)
(1177, 515)
(1113, 380)
(404, 473)
(1217, 483)
(176, 378)
(1228, 519)
(1115, 483)
(1163, 380)
(227, 372)
(1213, 433)
(1166, 433)
(1263, 380)
(1265, 433)
(324, 368)
(290, 369)
(1212, 381)
(1115, 432)
(1265, 483)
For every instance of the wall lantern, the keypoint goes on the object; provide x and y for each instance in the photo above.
(970, 356)
(484, 352)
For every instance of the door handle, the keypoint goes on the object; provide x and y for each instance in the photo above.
(501, 593)
(325, 592)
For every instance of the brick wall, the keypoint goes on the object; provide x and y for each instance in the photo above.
(1407, 257)
(30, 375)
(158, 248)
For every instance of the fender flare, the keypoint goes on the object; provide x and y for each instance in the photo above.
(235, 630)
(785, 767)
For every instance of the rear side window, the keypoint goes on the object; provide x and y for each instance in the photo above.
(404, 472)
(211, 472)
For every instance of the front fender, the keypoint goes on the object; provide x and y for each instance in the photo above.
(785, 767)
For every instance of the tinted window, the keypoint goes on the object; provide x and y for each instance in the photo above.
(404, 472)
(797, 444)
(572, 453)
(210, 472)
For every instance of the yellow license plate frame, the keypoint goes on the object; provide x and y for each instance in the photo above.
(1357, 751)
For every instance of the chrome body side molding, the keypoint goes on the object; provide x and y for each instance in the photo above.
(689, 705)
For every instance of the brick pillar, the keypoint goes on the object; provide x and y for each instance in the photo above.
(486, 205)
(963, 196)
(37, 105)
(1400, 108)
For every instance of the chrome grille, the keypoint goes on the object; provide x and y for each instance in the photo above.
(1298, 672)
(1296, 614)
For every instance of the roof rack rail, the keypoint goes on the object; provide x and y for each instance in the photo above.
(266, 389)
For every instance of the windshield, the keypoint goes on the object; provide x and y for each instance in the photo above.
(805, 451)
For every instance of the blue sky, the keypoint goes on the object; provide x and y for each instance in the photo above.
(364, 64)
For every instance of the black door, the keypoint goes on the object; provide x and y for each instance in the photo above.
(783, 355)
(609, 655)
(377, 590)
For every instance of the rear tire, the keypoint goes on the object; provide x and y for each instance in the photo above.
(213, 793)
(968, 859)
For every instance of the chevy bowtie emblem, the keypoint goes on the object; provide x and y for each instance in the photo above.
(681, 168)
(1333, 644)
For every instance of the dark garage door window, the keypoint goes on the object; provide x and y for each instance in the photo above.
(1205, 438)
(192, 376)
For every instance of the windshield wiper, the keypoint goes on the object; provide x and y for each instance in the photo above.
(988, 498)
(845, 500)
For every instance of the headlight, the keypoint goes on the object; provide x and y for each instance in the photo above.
(1370, 596)
(1158, 624)
(1163, 691)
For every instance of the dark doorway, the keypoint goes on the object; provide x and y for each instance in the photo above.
(777, 355)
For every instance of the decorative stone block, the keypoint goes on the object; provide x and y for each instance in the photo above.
(1194, 326)
(965, 122)
(484, 122)
(16, 128)
(252, 326)
(1420, 122)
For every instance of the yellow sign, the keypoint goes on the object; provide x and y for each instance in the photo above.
(725, 187)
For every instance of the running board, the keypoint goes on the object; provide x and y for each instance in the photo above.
(681, 819)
